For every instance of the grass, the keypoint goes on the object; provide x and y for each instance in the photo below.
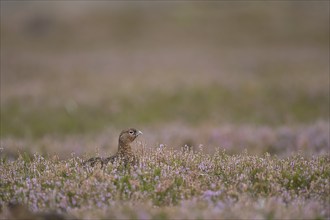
(193, 106)
(171, 183)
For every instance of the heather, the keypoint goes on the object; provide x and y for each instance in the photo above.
(170, 183)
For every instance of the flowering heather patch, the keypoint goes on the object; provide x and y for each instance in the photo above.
(169, 184)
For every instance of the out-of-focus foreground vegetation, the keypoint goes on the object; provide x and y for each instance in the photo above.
(231, 75)
(169, 184)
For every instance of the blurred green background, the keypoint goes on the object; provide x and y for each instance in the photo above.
(81, 67)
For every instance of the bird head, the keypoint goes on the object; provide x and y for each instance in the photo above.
(128, 136)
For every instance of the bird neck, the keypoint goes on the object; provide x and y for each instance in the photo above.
(124, 149)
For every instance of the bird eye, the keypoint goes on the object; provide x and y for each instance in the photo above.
(131, 132)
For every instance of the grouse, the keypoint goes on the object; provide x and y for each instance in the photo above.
(124, 153)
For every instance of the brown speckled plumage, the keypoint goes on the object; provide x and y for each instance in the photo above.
(124, 152)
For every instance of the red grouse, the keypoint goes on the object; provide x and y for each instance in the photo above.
(124, 153)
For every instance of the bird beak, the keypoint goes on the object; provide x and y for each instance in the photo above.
(138, 133)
